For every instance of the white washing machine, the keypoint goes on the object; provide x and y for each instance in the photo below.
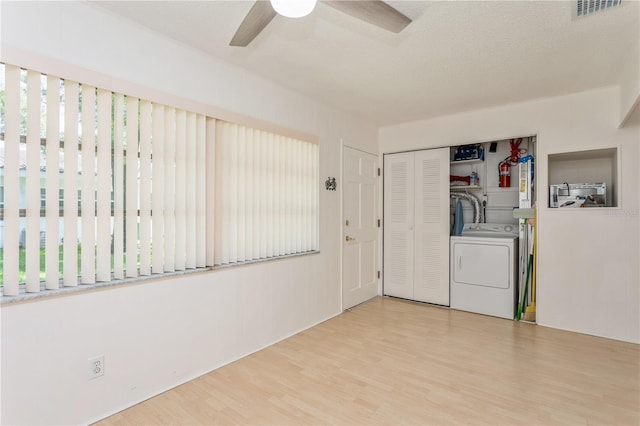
(483, 272)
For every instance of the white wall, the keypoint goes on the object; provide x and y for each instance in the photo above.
(588, 274)
(629, 81)
(160, 333)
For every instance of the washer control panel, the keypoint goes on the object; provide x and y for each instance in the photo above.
(490, 230)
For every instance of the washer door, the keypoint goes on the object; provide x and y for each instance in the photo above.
(485, 264)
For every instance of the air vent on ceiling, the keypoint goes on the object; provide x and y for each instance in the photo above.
(589, 7)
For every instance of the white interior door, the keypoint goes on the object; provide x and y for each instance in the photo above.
(399, 202)
(360, 227)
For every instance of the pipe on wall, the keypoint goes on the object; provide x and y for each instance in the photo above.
(475, 203)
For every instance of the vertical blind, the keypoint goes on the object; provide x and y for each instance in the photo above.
(133, 187)
(266, 195)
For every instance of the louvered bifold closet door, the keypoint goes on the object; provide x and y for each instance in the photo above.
(398, 224)
(431, 276)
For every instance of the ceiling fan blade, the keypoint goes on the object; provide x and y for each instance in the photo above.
(259, 16)
(375, 12)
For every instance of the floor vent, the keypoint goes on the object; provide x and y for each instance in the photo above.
(589, 7)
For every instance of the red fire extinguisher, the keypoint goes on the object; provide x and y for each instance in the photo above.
(504, 167)
(504, 174)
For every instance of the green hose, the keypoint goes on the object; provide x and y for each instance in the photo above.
(523, 302)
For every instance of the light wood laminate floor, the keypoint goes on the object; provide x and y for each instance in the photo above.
(393, 362)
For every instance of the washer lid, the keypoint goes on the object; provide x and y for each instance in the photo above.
(498, 230)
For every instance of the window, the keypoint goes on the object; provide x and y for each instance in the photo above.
(103, 186)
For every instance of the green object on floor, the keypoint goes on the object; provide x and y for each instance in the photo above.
(523, 302)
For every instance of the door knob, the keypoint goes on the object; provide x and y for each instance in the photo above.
(348, 238)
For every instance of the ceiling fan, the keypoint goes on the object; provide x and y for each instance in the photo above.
(375, 12)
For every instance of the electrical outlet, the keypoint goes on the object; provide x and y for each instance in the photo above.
(96, 366)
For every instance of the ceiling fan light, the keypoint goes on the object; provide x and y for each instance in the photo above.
(293, 8)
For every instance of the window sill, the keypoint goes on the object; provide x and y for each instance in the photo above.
(23, 296)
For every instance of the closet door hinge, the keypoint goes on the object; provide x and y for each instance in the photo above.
(378, 274)
(378, 171)
(378, 223)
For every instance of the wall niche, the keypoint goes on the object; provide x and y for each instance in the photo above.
(579, 178)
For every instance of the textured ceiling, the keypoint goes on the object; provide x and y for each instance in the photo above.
(455, 56)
